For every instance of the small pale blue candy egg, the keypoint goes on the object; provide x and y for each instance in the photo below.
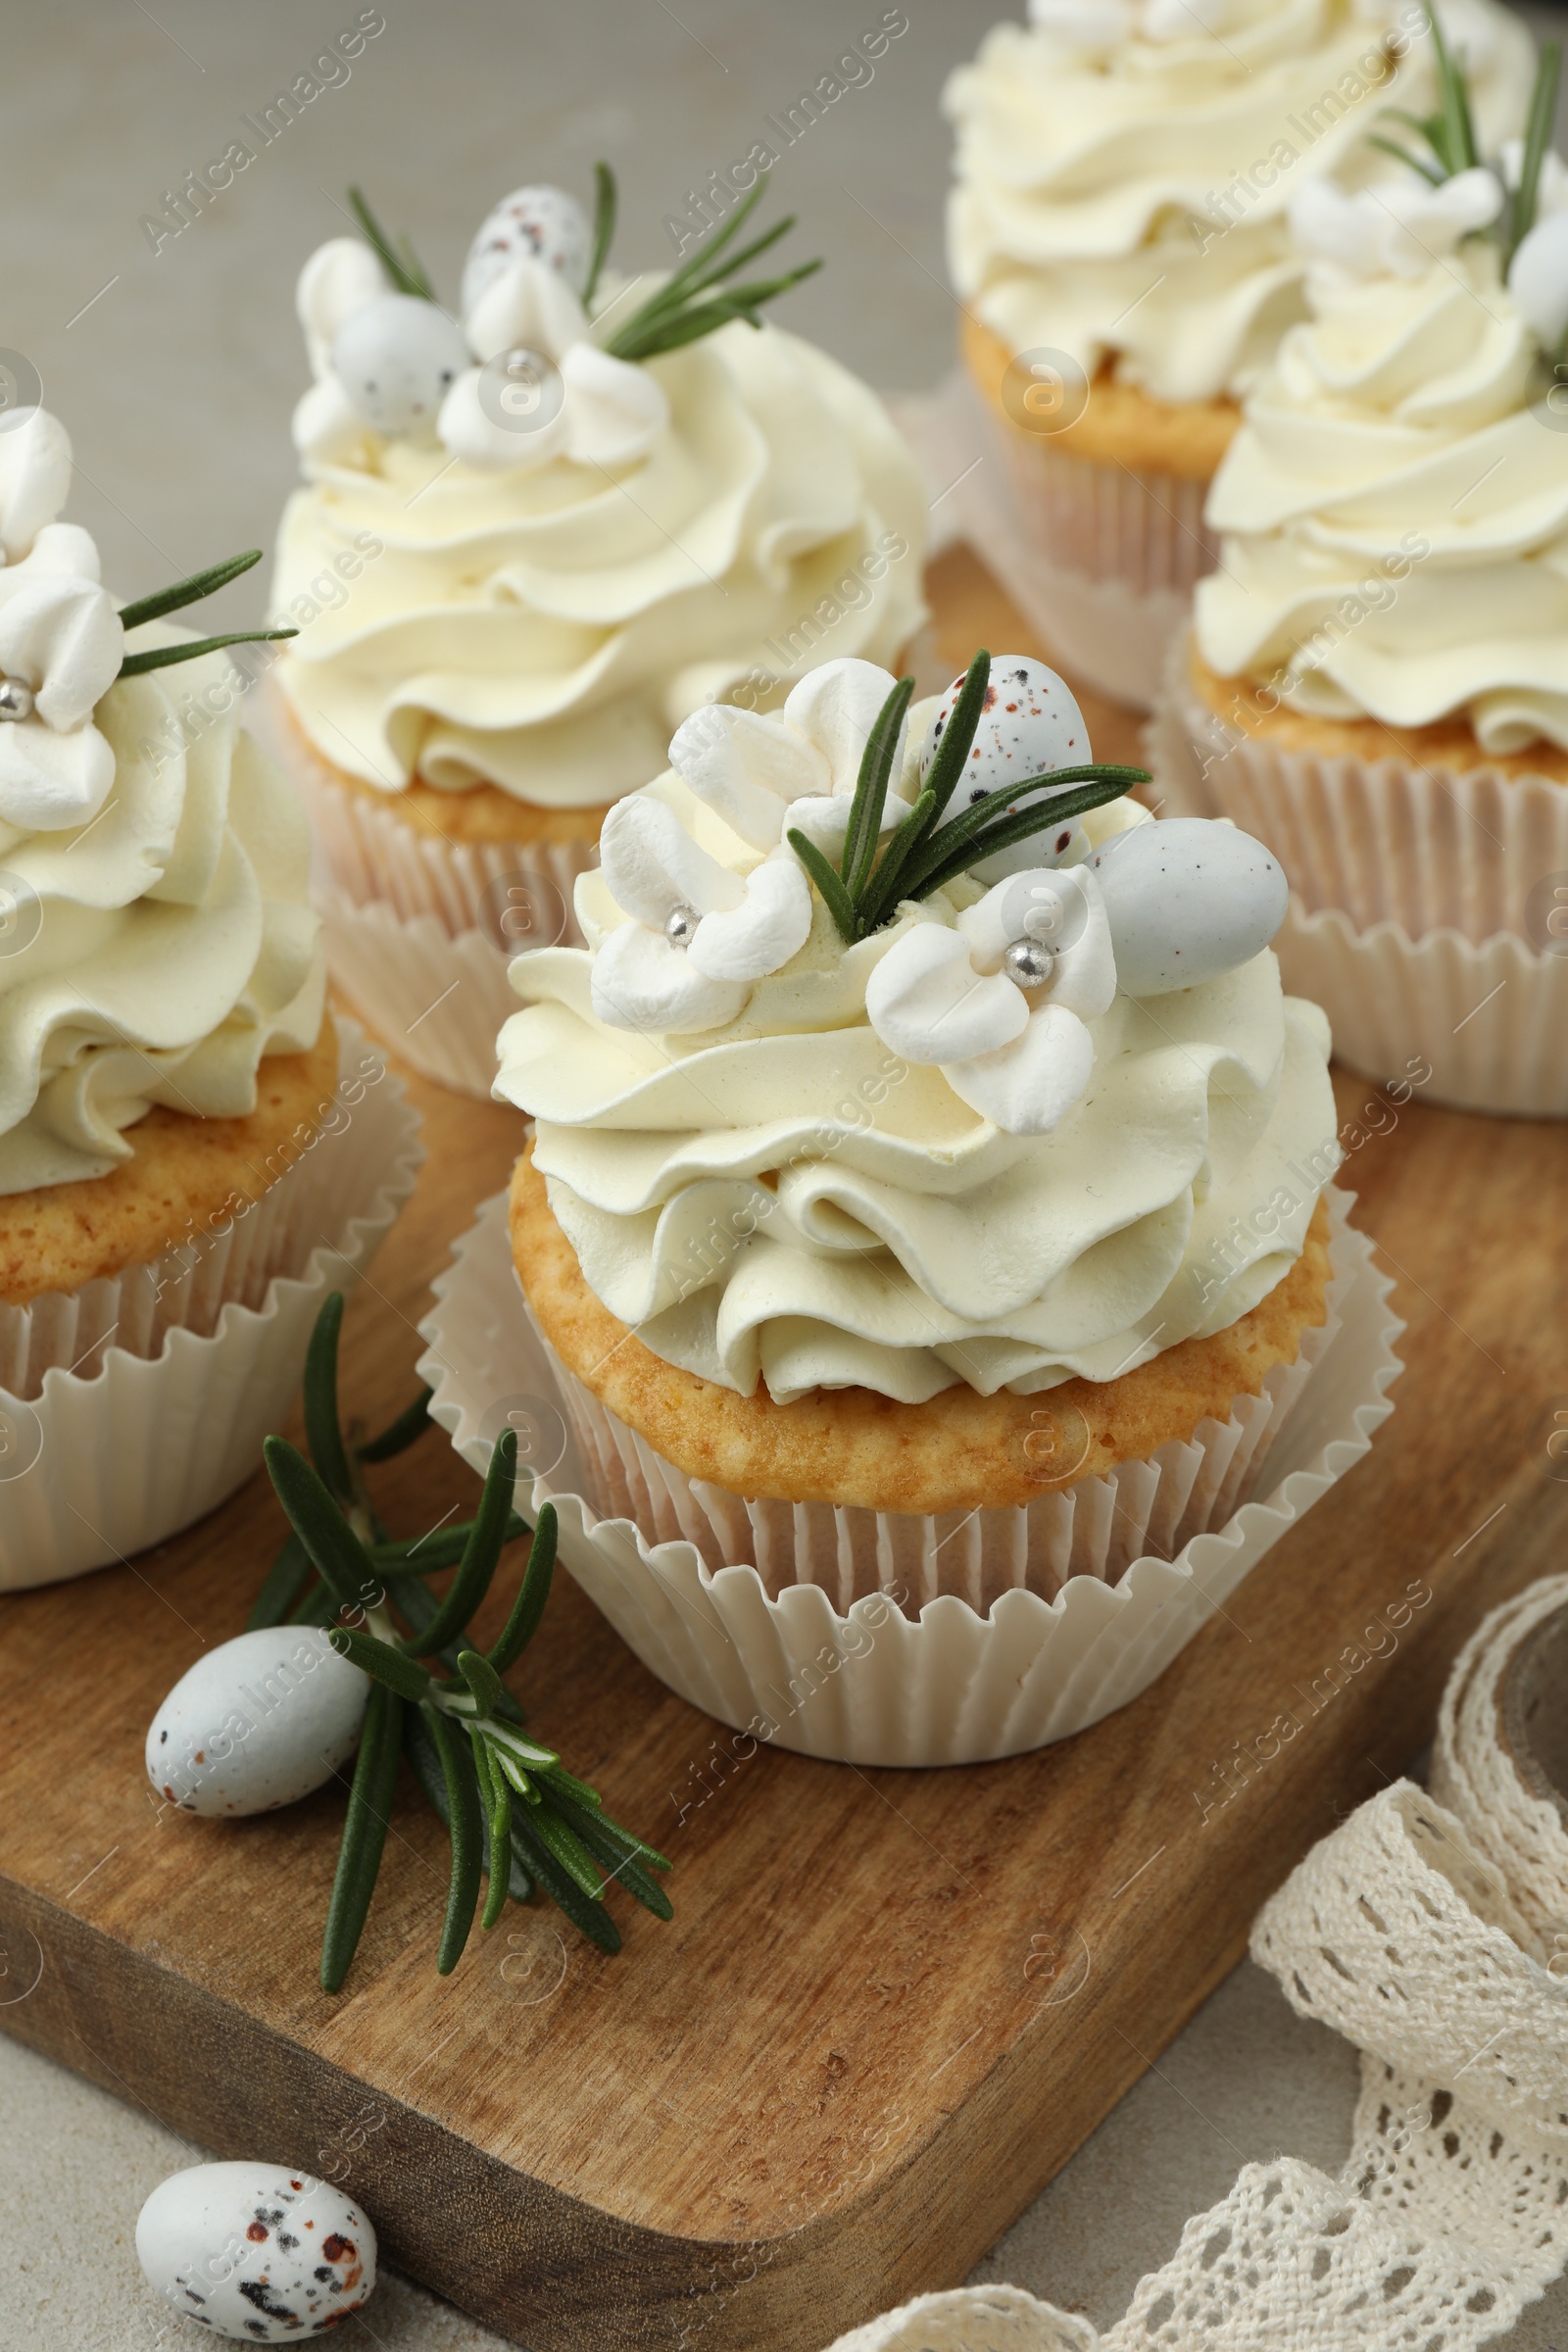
(543, 223)
(1031, 723)
(1187, 900)
(257, 1722)
(256, 2251)
(396, 358)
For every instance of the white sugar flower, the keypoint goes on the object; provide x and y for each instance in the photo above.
(796, 767)
(34, 480)
(1001, 1002)
(699, 935)
(61, 647)
(1397, 229)
(538, 388)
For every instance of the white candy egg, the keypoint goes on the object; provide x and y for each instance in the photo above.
(397, 357)
(1187, 900)
(257, 1722)
(257, 2251)
(1031, 723)
(543, 223)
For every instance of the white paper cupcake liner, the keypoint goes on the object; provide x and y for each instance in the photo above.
(1429, 849)
(1103, 561)
(419, 931)
(1479, 1028)
(872, 1680)
(133, 1406)
(1438, 989)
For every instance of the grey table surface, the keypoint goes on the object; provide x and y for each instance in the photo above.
(174, 360)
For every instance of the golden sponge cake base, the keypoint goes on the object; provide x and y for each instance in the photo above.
(1122, 424)
(187, 1177)
(480, 815)
(854, 1447)
(1447, 743)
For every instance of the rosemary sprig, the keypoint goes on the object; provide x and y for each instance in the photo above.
(400, 262)
(189, 591)
(1543, 114)
(676, 313)
(434, 1697)
(1450, 136)
(922, 854)
(604, 208)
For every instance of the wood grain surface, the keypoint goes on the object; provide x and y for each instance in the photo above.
(891, 2003)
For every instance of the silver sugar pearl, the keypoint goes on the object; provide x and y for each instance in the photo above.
(1028, 962)
(680, 927)
(16, 699)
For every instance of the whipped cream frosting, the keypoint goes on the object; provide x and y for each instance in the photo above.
(1123, 177)
(154, 936)
(783, 1197)
(1394, 512)
(545, 629)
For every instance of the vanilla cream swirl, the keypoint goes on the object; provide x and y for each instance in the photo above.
(1395, 514)
(1124, 195)
(784, 1198)
(547, 630)
(153, 953)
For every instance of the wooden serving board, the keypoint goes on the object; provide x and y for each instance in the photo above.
(891, 2003)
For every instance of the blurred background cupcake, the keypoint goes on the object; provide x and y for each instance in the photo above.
(530, 544)
(189, 1152)
(1378, 684)
(928, 1223)
(1117, 237)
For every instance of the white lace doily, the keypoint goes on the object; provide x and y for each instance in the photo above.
(1431, 1931)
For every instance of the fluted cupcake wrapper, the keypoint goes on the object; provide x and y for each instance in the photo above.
(419, 931)
(884, 1638)
(133, 1406)
(1102, 560)
(1429, 848)
(1428, 910)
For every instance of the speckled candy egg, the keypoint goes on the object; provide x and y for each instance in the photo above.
(543, 223)
(256, 2251)
(397, 357)
(1031, 723)
(257, 1722)
(1187, 900)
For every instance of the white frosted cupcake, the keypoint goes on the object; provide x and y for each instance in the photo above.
(926, 1203)
(1379, 683)
(184, 1165)
(527, 549)
(1118, 234)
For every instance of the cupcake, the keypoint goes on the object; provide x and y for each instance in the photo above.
(926, 1204)
(1117, 236)
(532, 544)
(189, 1154)
(1378, 680)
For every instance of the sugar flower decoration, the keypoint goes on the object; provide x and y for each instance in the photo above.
(699, 935)
(1398, 230)
(529, 376)
(799, 766)
(1001, 1002)
(61, 647)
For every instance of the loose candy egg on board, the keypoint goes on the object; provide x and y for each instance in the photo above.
(257, 2252)
(1031, 723)
(257, 1722)
(1187, 900)
(546, 224)
(397, 357)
